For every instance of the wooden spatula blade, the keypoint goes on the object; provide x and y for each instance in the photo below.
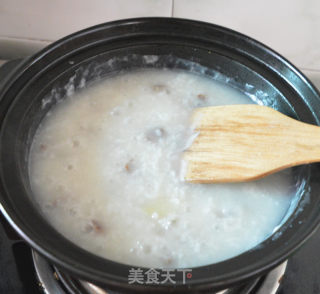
(246, 142)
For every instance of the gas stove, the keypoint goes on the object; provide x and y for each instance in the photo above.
(23, 271)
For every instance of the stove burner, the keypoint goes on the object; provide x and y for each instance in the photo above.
(54, 281)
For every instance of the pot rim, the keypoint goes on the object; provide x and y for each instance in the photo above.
(255, 50)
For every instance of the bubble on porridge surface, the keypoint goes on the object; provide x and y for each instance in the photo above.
(108, 178)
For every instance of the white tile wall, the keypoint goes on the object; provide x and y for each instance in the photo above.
(50, 20)
(34, 21)
(11, 48)
(291, 27)
(314, 76)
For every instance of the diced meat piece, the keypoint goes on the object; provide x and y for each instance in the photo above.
(129, 166)
(96, 226)
(43, 147)
(160, 88)
(202, 97)
(93, 226)
(168, 261)
(155, 135)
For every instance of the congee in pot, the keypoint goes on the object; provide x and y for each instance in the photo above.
(105, 169)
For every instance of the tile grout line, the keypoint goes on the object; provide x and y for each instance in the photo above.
(172, 8)
(310, 69)
(10, 38)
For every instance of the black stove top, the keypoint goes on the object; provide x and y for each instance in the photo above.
(18, 275)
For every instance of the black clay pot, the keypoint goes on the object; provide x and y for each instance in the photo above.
(85, 56)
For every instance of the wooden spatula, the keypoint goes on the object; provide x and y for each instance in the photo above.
(246, 142)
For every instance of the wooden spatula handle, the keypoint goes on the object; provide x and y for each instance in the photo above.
(246, 142)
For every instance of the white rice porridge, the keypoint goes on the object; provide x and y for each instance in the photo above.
(105, 166)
